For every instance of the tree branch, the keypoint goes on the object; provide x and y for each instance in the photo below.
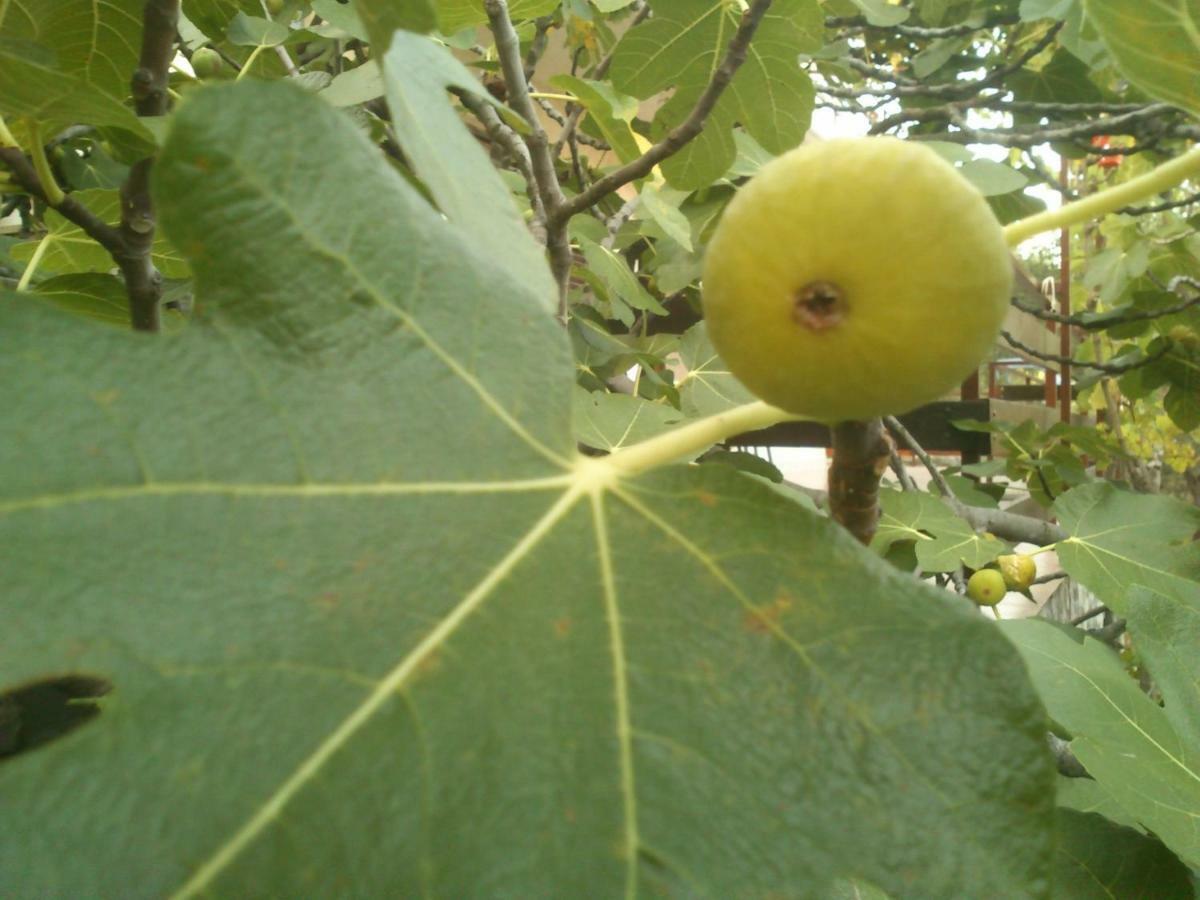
(861, 452)
(143, 282)
(1126, 123)
(965, 89)
(859, 24)
(1107, 368)
(1093, 324)
(508, 49)
(512, 143)
(70, 209)
(1160, 207)
(903, 434)
(1010, 526)
(679, 136)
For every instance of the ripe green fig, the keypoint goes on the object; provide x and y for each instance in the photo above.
(207, 63)
(986, 587)
(1018, 570)
(854, 278)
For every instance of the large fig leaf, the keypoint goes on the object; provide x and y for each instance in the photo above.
(373, 629)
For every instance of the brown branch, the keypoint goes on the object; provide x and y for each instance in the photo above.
(903, 434)
(508, 49)
(1160, 207)
(1107, 368)
(550, 110)
(859, 24)
(1009, 526)
(1090, 614)
(861, 453)
(511, 142)
(679, 136)
(1091, 323)
(537, 46)
(70, 209)
(964, 89)
(143, 282)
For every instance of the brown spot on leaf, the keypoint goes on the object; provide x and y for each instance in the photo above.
(766, 618)
(562, 627)
(707, 498)
(327, 600)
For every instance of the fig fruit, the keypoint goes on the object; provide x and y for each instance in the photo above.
(1184, 336)
(207, 63)
(1018, 570)
(986, 587)
(274, 7)
(854, 278)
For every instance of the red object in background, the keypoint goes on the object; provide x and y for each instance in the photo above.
(1100, 142)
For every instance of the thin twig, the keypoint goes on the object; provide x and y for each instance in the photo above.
(683, 133)
(1160, 207)
(552, 111)
(903, 434)
(1090, 614)
(70, 209)
(1107, 368)
(1093, 324)
(901, 471)
(512, 143)
(855, 24)
(508, 49)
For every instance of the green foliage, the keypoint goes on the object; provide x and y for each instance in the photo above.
(1110, 721)
(770, 96)
(387, 540)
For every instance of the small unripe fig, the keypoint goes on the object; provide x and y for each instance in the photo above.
(854, 278)
(274, 7)
(207, 63)
(1184, 336)
(986, 587)
(1018, 570)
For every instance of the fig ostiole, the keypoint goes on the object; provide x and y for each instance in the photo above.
(986, 587)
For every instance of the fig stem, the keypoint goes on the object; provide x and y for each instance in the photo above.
(695, 437)
(1106, 201)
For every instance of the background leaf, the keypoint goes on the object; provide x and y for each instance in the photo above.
(1156, 45)
(1100, 860)
(1166, 633)
(416, 73)
(708, 387)
(69, 249)
(943, 541)
(770, 97)
(1118, 539)
(1121, 736)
